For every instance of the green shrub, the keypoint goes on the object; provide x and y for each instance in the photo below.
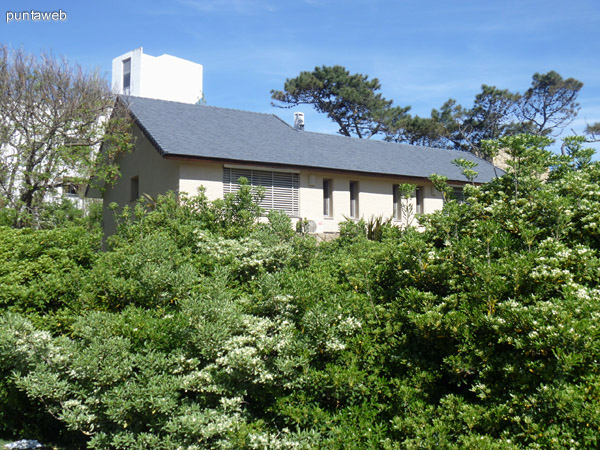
(41, 271)
(204, 328)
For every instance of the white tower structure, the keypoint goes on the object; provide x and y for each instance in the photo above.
(163, 77)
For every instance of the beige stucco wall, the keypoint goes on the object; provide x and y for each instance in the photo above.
(374, 197)
(433, 199)
(193, 175)
(156, 175)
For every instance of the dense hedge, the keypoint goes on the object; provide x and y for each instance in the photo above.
(201, 328)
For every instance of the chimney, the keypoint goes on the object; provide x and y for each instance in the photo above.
(299, 121)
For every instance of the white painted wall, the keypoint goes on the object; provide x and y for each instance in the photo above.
(162, 77)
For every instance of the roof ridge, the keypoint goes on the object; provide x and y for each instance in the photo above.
(382, 141)
(204, 106)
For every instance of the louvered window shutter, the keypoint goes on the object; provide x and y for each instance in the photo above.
(281, 188)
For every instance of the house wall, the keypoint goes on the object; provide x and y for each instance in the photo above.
(156, 175)
(162, 77)
(193, 175)
(374, 198)
(434, 200)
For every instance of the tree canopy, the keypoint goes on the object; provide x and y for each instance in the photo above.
(546, 108)
(593, 132)
(352, 101)
(54, 116)
(550, 104)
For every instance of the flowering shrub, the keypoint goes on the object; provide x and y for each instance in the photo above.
(480, 331)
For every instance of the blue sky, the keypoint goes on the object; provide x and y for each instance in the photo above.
(423, 52)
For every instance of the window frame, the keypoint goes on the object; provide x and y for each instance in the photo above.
(458, 193)
(397, 206)
(354, 203)
(71, 188)
(327, 197)
(419, 204)
(134, 188)
(126, 75)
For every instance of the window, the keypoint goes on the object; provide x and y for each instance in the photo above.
(327, 205)
(281, 188)
(126, 75)
(409, 208)
(70, 188)
(354, 199)
(419, 199)
(134, 189)
(397, 213)
(458, 194)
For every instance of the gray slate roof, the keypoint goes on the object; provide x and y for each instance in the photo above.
(180, 129)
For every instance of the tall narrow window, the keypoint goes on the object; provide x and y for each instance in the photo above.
(126, 76)
(354, 199)
(396, 197)
(419, 199)
(457, 194)
(134, 188)
(327, 205)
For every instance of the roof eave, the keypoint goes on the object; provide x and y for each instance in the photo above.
(178, 157)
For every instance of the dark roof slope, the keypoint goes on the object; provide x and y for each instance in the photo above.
(180, 129)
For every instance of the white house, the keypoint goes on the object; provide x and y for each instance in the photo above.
(162, 77)
(323, 178)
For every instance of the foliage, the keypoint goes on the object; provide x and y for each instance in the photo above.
(406, 209)
(376, 227)
(41, 271)
(440, 183)
(550, 104)
(150, 273)
(467, 168)
(351, 101)
(480, 331)
(234, 216)
(54, 117)
(593, 131)
(20, 415)
(546, 108)
(492, 116)
(415, 130)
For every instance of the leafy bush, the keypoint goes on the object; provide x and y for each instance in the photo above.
(203, 328)
(41, 270)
